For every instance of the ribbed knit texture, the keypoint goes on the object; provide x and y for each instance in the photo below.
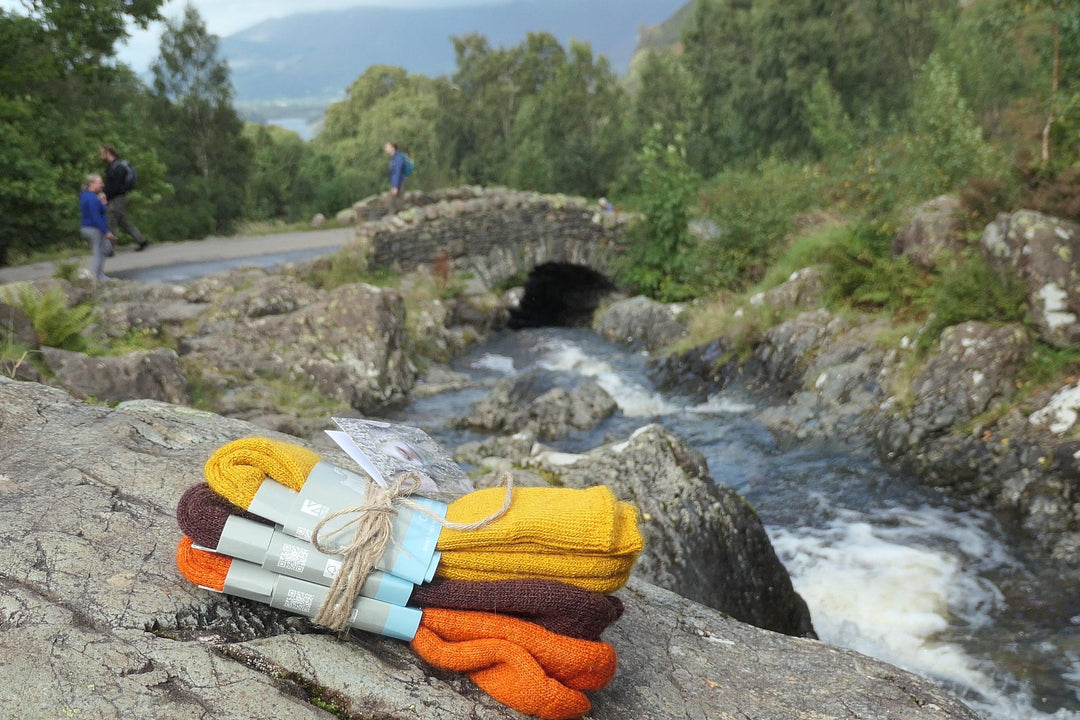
(583, 537)
(558, 606)
(236, 469)
(579, 664)
(555, 606)
(202, 568)
(201, 514)
(546, 520)
(519, 664)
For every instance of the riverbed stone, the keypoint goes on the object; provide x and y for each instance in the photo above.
(702, 540)
(153, 374)
(1043, 251)
(640, 322)
(931, 230)
(528, 402)
(975, 366)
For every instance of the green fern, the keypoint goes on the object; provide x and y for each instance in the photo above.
(861, 274)
(57, 325)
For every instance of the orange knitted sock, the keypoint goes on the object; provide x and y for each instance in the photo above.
(202, 568)
(507, 671)
(579, 664)
(518, 663)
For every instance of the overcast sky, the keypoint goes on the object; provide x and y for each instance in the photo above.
(224, 17)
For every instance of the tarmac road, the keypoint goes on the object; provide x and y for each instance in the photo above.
(175, 255)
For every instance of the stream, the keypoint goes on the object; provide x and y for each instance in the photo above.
(888, 567)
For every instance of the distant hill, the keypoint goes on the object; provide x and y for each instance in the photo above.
(666, 35)
(316, 56)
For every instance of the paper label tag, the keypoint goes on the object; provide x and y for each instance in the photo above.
(386, 450)
(277, 552)
(329, 488)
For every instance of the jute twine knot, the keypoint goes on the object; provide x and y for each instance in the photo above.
(372, 525)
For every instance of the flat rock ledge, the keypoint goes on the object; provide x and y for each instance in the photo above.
(95, 621)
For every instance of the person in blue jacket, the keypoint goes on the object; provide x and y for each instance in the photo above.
(397, 176)
(94, 226)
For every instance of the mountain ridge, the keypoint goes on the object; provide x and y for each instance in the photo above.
(317, 55)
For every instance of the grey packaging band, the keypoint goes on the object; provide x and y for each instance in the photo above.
(250, 581)
(411, 554)
(277, 552)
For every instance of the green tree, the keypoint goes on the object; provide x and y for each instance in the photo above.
(831, 130)
(482, 102)
(1063, 52)
(755, 64)
(663, 97)
(54, 72)
(343, 117)
(385, 104)
(83, 35)
(207, 156)
(570, 134)
(658, 261)
(987, 49)
(277, 158)
(948, 142)
(718, 57)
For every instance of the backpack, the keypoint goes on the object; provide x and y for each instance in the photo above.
(408, 166)
(131, 178)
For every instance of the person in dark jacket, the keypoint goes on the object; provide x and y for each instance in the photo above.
(116, 190)
(397, 176)
(93, 225)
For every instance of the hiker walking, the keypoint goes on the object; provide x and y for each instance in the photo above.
(398, 172)
(119, 181)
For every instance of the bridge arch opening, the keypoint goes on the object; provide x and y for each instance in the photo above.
(560, 295)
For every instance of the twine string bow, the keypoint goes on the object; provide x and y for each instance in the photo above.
(372, 524)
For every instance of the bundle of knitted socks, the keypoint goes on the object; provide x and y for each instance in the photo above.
(518, 603)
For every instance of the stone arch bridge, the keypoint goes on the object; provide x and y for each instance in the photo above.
(563, 248)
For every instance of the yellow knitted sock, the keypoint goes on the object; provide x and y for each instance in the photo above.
(542, 519)
(236, 469)
(596, 583)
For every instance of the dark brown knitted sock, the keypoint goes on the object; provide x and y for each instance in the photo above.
(201, 515)
(556, 606)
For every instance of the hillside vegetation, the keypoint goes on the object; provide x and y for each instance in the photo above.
(782, 132)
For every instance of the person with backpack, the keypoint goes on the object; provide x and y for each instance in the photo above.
(120, 179)
(400, 168)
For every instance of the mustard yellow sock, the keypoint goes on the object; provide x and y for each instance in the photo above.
(565, 573)
(236, 469)
(541, 519)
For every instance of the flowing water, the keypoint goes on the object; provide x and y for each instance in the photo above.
(889, 568)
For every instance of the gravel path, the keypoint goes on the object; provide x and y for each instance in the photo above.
(159, 255)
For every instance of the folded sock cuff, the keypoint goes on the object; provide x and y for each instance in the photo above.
(201, 514)
(544, 519)
(235, 470)
(559, 607)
